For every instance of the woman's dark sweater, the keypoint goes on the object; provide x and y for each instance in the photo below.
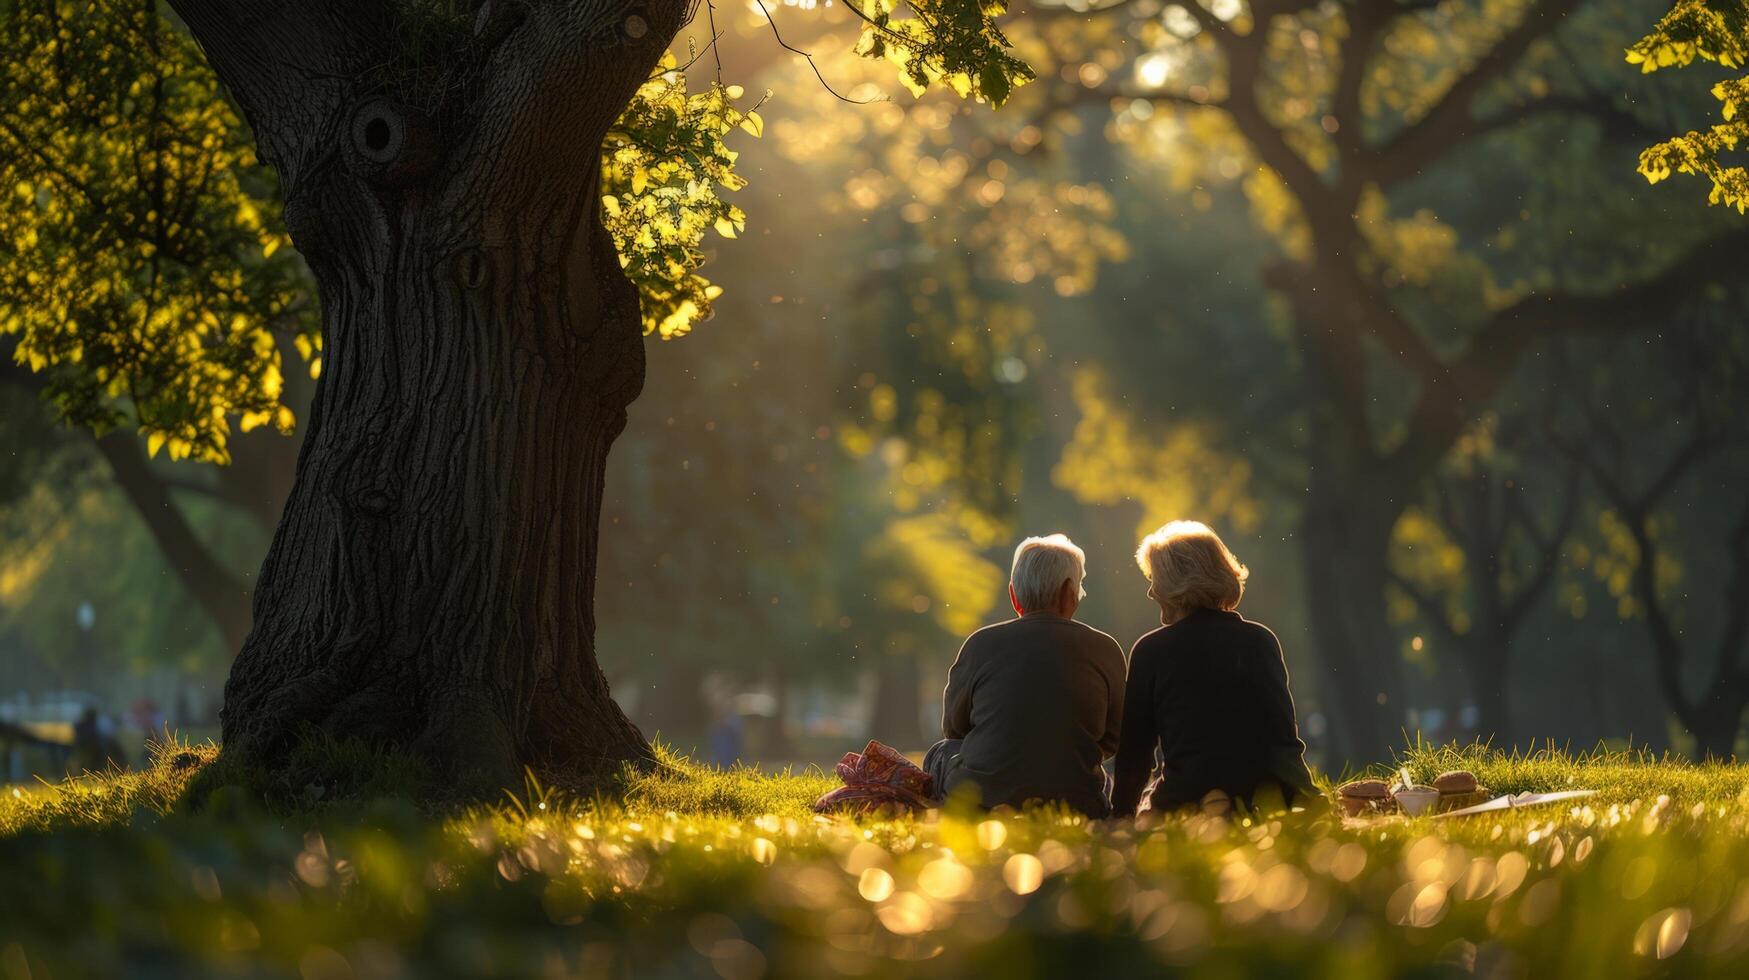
(1211, 693)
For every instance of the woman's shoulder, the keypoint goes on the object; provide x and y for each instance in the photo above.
(1205, 626)
(1261, 634)
(1154, 643)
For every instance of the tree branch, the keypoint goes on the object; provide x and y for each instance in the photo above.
(1244, 66)
(223, 595)
(1450, 120)
(1097, 96)
(1448, 399)
(1548, 546)
(1635, 510)
(1429, 608)
(1618, 125)
(1367, 20)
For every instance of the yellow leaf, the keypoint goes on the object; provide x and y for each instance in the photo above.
(725, 228)
(153, 443)
(753, 125)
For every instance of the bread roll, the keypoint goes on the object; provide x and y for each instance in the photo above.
(1365, 789)
(1456, 781)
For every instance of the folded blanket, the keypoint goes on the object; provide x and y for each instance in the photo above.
(878, 776)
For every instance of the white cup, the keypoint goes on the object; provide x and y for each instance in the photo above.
(1415, 802)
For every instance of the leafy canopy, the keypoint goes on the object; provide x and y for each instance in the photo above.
(663, 170)
(955, 41)
(1716, 31)
(144, 265)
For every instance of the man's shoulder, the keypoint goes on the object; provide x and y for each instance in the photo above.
(1095, 633)
(1093, 636)
(987, 637)
(991, 632)
(998, 632)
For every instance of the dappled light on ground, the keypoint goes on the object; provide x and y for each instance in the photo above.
(704, 872)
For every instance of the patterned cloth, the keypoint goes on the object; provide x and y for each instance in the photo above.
(878, 776)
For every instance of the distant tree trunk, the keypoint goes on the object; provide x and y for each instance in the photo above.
(783, 745)
(221, 594)
(1488, 643)
(1715, 727)
(431, 583)
(674, 708)
(1488, 657)
(896, 718)
(1360, 686)
(1345, 527)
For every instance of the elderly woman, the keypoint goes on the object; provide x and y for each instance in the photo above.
(1032, 705)
(1208, 689)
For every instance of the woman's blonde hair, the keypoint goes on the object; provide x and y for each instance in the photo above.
(1191, 568)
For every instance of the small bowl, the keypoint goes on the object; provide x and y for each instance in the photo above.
(1417, 800)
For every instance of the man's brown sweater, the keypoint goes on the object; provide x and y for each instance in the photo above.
(1038, 702)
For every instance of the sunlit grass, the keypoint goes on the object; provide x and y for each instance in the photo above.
(700, 872)
(106, 800)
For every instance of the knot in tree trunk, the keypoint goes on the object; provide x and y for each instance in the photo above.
(392, 145)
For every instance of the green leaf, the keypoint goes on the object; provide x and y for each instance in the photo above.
(993, 84)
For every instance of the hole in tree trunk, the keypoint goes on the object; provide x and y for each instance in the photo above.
(384, 137)
(471, 268)
(377, 134)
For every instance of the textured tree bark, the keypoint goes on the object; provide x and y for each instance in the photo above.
(430, 586)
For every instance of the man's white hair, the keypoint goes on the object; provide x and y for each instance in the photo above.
(1041, 566)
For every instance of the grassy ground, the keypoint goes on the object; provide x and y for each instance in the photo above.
(703, 873)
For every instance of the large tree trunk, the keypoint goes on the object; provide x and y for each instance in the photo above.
(1360, 685)
(430, 587)
(1351, 504)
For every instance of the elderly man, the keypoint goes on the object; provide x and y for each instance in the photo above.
(1032, 705)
